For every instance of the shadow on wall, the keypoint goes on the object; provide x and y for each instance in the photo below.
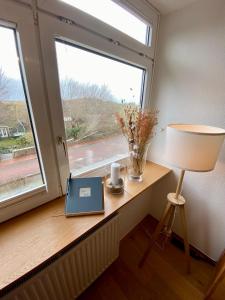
(159, 194)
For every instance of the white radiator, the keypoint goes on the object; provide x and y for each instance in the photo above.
(68, 276)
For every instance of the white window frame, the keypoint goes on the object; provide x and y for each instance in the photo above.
(142, 10)
(37, 27)
(20, 16)
(148, 13)
(51, 27)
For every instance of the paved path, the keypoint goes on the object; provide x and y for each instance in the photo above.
(80, 155)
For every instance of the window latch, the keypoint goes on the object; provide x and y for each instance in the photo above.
(61, 141)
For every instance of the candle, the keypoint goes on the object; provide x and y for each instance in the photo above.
(115, 173)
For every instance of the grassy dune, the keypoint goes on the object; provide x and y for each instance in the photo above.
(94, 118)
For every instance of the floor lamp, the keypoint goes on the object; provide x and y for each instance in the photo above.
(189, 148)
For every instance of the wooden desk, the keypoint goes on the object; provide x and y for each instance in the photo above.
(32, 239)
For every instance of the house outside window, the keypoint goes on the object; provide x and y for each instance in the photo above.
(4, 131)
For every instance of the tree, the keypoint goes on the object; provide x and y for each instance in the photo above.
(4, 85)
(73, 132)
(71, 89)
(25, 140)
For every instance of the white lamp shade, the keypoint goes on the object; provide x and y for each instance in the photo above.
(193, 147)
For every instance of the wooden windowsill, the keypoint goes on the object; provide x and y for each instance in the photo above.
(28, 241)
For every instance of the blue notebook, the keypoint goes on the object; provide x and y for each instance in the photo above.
(84, 196)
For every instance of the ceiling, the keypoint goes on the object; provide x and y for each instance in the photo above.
(168, 6)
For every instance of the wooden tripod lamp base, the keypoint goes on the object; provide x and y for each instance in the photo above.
(218, 277)
(174, 201)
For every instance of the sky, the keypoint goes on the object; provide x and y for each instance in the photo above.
(123, 80)
(8, 54)
(114, 15)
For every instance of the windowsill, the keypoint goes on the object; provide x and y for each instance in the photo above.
(21, 196)
(34, 238)
(101, 168)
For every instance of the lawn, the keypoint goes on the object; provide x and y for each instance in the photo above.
(7, 144)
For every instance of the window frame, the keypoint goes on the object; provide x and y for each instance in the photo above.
(20, 18)
(52, 28)
(148, 13)
(121, 9)
(102, 167)
(56, 7)
(37, 27)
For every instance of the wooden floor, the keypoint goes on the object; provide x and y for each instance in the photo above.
(162, 277)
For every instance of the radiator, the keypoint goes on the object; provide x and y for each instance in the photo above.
(69, 275)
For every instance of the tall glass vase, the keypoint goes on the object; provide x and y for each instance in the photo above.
(136, 161)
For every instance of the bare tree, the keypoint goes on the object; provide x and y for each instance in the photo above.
(4, 84)
(68, 88)
(71, 89)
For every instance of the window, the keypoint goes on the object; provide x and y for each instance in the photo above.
(61, 81)
(114, 15)
(93, 88)
(19, 163)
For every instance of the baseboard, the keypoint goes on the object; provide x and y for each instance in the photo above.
(194, 252)
(177, 241)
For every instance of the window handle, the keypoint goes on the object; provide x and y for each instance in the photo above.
(61, 141)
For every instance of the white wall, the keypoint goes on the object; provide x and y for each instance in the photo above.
(189, 86)
(134, 212)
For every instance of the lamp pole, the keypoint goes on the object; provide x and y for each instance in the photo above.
(179, 185)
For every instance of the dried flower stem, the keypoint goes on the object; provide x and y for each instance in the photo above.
(137, 126)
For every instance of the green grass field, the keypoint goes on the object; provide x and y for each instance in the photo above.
(7, 144)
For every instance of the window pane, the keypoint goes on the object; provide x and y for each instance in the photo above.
(92, 90)
(114, 15)
(19, 165)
